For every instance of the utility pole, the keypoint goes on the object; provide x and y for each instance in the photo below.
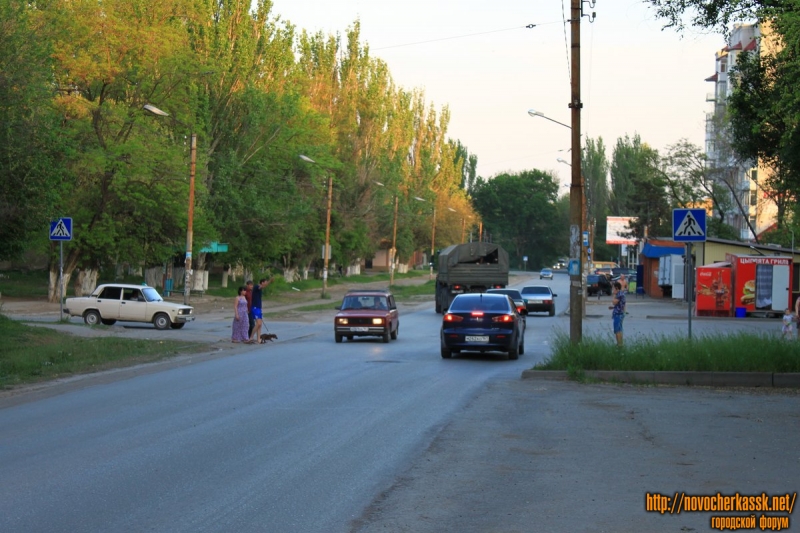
(576, 189)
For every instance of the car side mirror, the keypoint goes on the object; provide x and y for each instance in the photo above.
(554, 295)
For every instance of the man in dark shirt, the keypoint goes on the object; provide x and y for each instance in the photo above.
(248, 295)
(256, 309)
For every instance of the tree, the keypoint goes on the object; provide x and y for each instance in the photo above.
(691, 182)
(639, 188)
(519, 210)
(31, 161)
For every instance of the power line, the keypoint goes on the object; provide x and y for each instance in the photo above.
(528, 26)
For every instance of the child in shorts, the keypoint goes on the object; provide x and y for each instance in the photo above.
(787, 329)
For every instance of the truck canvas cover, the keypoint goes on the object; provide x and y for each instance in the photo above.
(473, 253)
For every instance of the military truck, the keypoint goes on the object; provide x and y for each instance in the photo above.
(469, 267)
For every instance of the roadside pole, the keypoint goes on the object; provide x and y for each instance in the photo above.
(688, 285)
(689, 226)
(61, 230)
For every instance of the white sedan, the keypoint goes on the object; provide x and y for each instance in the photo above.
(129, 303)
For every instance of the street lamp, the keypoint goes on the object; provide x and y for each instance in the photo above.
(187, 284)
(393, 251)
(534, 113)
(433, 233)
(576, 205)
(326, 250)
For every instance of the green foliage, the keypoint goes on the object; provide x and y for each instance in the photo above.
(741, 352)
(638, 187)
(31, 149)
(519, 211)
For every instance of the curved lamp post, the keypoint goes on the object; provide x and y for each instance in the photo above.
(393, 251)
(576, 205)
(187, 284)
(326, 250)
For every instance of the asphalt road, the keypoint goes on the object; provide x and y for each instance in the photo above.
(306, 435)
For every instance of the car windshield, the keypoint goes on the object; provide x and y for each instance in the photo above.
(536, 290)
(364, 302)
(511, 292)
(546, 271)
(151, 295)
(480, 302)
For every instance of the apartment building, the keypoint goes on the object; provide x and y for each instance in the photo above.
(751, 209)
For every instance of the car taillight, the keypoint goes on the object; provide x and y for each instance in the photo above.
(503, 318)
(520, 309)
(477, 313)
(453, 318)
(497, 287)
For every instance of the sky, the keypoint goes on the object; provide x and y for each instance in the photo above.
(478, 58)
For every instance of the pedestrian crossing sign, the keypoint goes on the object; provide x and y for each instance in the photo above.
(689, 225)
(61, 229)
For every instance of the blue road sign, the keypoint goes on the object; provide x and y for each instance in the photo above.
(61, 229)
(689, 225)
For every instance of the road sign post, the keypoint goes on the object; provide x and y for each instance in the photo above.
(61, 230)
(689, 226)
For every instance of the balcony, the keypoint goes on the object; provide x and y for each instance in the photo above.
(710, 97)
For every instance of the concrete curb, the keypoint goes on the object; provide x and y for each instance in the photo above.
(713, 379)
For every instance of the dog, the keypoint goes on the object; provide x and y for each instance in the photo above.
(268, 337)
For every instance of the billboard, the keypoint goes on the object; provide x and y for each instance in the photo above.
(616, 230)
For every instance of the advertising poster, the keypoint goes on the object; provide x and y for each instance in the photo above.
(714, 289)
(618, 229)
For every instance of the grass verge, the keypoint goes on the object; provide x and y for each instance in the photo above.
(31, 354)
(740, 352)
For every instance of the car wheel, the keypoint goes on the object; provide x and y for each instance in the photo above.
(91, 318)
(438, 308)
(446, 353)
(177, 326)
(522, 345)
(349, 337)
(161, 321)
(513, 352)
(337, 337)
(108, 321)
(385, 336)
(395, 333)
(552, 311)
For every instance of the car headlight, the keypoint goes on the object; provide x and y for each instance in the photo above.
(342, 321)
(377, 321)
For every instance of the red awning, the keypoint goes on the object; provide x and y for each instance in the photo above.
(751, 46)
(737, 46)
(714, 77)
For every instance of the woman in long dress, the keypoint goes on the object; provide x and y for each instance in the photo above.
(241, 322)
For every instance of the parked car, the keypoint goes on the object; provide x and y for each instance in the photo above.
(482, 322)
(597, 284)
(111, 302)
(516, 297)
(546, 273)
(540, 298)
(371, 313)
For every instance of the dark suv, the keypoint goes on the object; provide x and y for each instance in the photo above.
(597, 284)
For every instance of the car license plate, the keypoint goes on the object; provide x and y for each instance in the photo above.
(476, 338)
(535, 301)
(359, 329)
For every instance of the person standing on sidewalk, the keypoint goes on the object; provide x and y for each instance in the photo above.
(618, 310)
(256, 309)
(248, 294)
(239, 328)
